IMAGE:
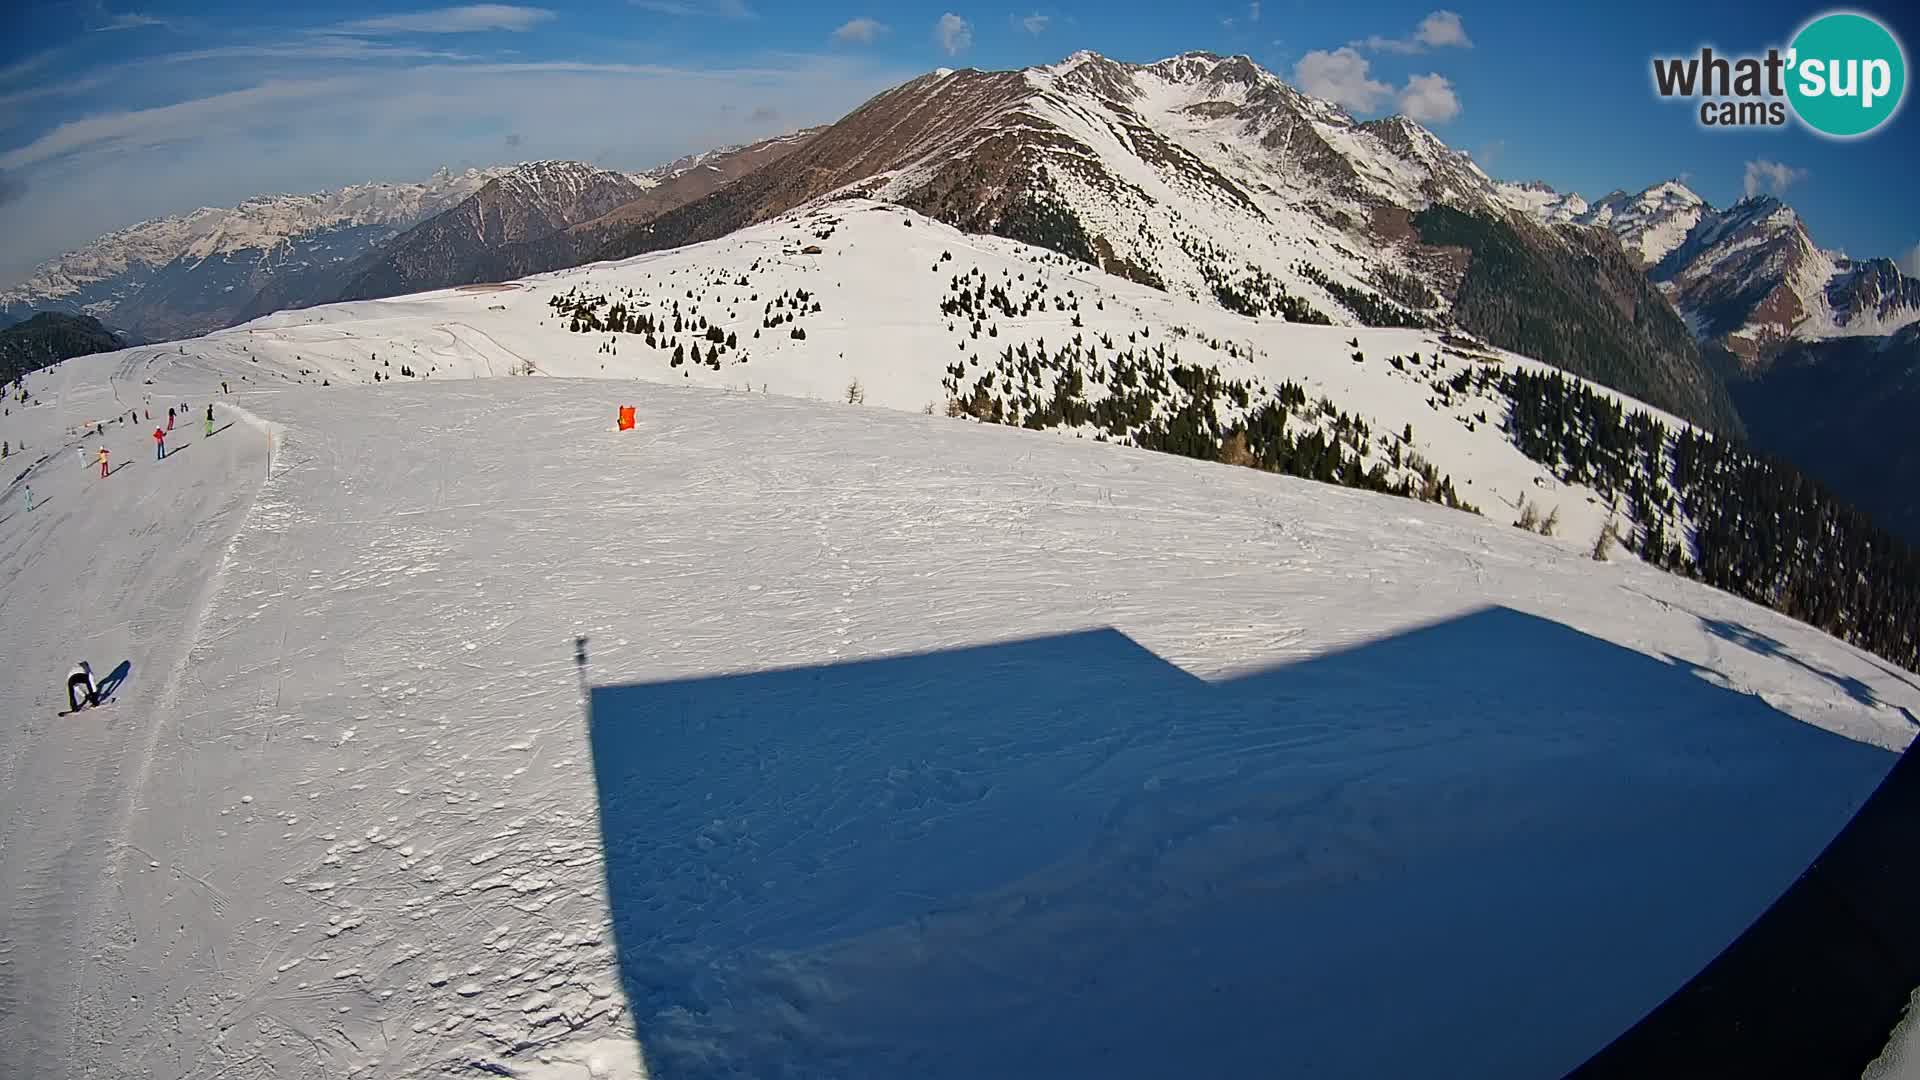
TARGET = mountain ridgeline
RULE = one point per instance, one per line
(193, 273)
(1242, 191)
(453, 248)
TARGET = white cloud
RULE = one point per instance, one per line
(1345, 78)
(470, 19)
(1429, 99)
(26, 67)
(1033, 24)
(152, 127)
(1910, 261)
(1253, 11)
(724, 9)
(128, 21)
(1770, 176)
(954, 34)
(63, 88)
(860, 31)
(1440, 30)
(1341, 77)
(1376, 43)
(315, 48)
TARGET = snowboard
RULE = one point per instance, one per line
(86, 708)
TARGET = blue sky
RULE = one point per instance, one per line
(112, 113)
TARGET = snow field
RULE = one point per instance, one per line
(368, 838)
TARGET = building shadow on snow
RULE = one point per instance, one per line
(1484, 847)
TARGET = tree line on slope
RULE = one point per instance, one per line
(1137, 390)
(48, 338)
(1717, 511)
(1572, 300)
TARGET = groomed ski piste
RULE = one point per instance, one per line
(458, 733)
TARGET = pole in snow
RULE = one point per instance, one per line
(580, 665)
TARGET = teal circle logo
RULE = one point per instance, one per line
(1847, 76)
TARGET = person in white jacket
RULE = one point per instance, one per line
(80, 689)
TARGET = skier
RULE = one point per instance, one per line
(159, 445)
(29, 498)
(169, 418)
(81, 691)
(103, 463)
(223, 387)
(209, 419)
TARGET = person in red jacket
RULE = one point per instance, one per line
(169, 418)
(159, 445)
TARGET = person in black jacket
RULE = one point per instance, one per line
(81, 692)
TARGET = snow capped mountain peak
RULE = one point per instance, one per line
(1649, 223)
(1673, 191)
(1083, 56)
(556, 181)
(1538, 200)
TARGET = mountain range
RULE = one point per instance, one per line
(189, 273)
(1200, 175)
(1749, 279)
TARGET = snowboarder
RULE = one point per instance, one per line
(81, 691)
(169, 418)
(209, 420)
(103, 463)
(159, 445)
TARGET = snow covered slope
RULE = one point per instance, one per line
(887, 283)
(1211, 178)
(356, 810)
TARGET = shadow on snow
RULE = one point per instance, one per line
(114, 680)
(1479, 848)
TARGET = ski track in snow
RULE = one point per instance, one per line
(149, 540)
(344, 818)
